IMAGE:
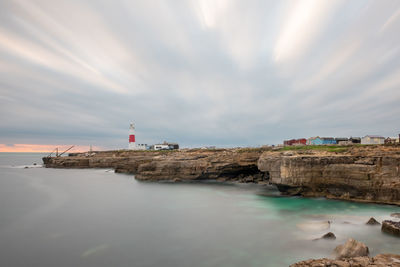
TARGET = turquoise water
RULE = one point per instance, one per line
(54, 217)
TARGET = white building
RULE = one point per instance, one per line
(161, 147)
(372, 140)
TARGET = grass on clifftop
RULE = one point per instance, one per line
(328, 148)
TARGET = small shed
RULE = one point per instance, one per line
(342, 140)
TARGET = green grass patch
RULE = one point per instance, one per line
(328, 148)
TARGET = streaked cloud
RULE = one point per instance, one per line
(199, 73)
(44, 148)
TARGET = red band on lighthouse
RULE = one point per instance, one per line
(131, 138)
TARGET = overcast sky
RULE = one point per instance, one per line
(197, 72)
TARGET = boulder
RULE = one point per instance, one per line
(328, 235)
(350, 249)
(372, 221)
(391, 227)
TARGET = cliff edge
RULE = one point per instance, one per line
(364, 173)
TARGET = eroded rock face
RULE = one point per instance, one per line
(381, 260)
(351, 249)
(221, 164)
(358, 175)
(391, 227)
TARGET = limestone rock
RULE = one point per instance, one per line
(391, 227)
(191, 164)
(328, 235)
(372, 221)
(381, 260)
(350, 249)
(363, 174)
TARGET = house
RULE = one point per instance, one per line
(372, 140)
(295, 142)
(392, 140)
(314, 141)
(321, 141)
(355, 140)
(328, 140)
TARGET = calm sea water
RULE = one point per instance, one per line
(94, 217)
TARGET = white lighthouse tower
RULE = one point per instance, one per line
(132, 144)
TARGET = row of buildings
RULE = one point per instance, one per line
(366, 140)
(133, 146)
(163, 146)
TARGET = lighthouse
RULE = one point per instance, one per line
(132, 144)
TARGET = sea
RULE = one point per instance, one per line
(95, 217)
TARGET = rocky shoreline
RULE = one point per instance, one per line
(356, 173)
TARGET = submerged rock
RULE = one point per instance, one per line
(372, 221)
(378, 260)
(391, 227)
(350, 249)
(396, 214)
(328, 235)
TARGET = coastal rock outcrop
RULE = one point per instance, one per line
(391, 227)
(357, 173)
(352, 248)
(191, 164)
(368, 174)
(381, 260)
(372, 221)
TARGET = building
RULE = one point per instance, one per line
(295, 142)
(392, 140)
(314, 141)
(342, 141)
(372, 140)
(166, 146)
(355, 140)
(321, 141)
(161, 147)
(173, 146)
(141, 147)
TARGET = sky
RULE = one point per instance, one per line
(197, 72)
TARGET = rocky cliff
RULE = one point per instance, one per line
(359, 173)
(193, 164)
(370, 174)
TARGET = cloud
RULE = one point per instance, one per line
(43, 148)
(223, 73)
